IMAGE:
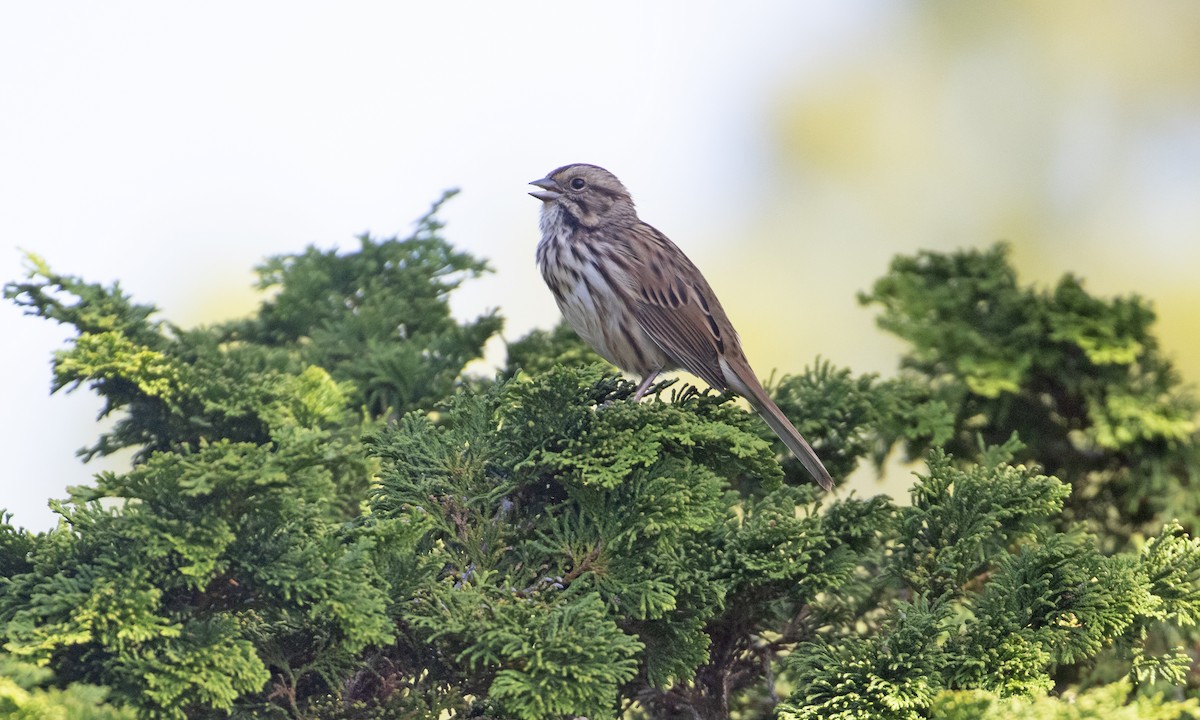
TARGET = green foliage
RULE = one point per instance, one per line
(1103, 703)
(327, 520)
(541, 350)
(26, 693)
(1170, 563)
(1081, 380)
(219, 573)
(855, 416)
(368, 329)
(996, 600)
(542, 501)
(544, 659)
(236, 574)
(15, 546)
(962, 517)
(890, 675)
(377, 317)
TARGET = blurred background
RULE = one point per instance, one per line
(790, 148)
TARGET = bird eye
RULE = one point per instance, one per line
(578, 183)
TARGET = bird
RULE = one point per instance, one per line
(638, 301)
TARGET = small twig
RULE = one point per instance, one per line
(561, 582)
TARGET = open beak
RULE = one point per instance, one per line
(550, 190)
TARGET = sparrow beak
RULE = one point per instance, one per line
(550, 192)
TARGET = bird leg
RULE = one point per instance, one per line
(646, 382)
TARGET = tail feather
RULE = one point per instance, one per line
(751, 389)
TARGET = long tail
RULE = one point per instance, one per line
(748, 386)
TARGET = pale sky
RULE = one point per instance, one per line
(173, 146)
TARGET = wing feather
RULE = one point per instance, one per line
(678, 311)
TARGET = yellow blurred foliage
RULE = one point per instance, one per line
(1069, 129)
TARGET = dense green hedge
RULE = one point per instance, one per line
(327, 519)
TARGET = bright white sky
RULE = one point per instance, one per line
(173, 146)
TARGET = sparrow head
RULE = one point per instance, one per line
(589, 194)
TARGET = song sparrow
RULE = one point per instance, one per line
(635, 297)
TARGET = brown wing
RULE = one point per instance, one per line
(677, 309)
